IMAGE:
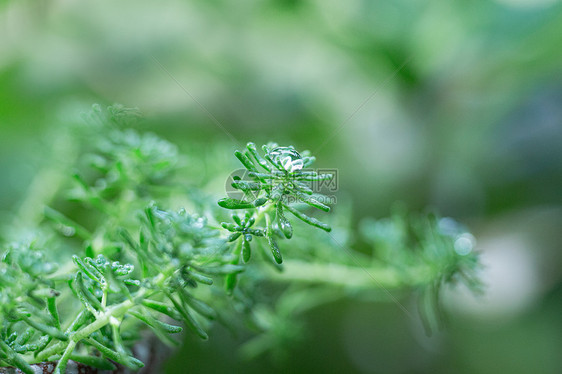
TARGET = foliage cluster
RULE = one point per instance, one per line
(116, 253)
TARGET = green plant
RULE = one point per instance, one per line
(270, 193)
(107, 259)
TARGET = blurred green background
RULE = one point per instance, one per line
(452, 105)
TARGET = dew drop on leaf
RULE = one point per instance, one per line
(288, 158)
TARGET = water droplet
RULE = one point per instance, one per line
(67, 230)
(288, 158)
(448, 226)
(464, 244)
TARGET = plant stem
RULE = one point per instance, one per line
(103, 319)
(349, 276)
(61, 366)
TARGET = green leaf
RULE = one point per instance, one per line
(254, 152)
(271, 161)
(93, 361)
(284, 223)
(129, 361)
(313, 202)
(162, 308)
(263, 175)
(303, 187)
(229, 203)
(155, 323)
(188, 319)
(230, 282)
(229, 226)
(308, 160)
(88, 270)
(313, 176)
(260, 201)
(199, 277)
(247, 186)
(24, 338)
(246, 250)
(49, 330)
(275, 249)
(310, 220)
(199, 306)
(86, 298)
(234, 236)
(58, 217)
(245, 161)
(52, 307)
(127, 237)
(236, 219)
